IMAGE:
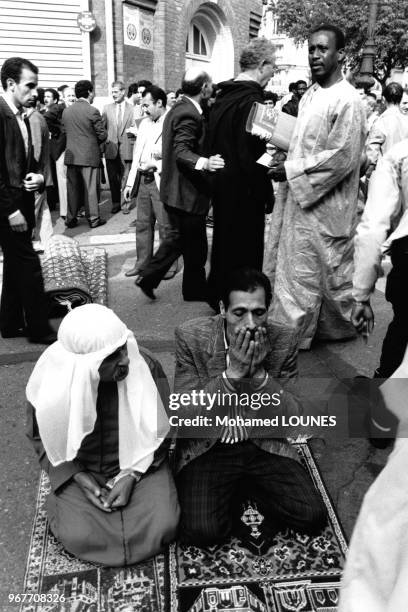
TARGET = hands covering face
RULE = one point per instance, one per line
(247, 352)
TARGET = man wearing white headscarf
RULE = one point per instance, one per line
(98, 423)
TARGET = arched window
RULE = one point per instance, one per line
(197, 42)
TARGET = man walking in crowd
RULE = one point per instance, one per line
(371, 106)
(184, 190)
(391, 127)
(242, 190)
(85, 133)
(385, 210)
(53, 114)
(58, 143)
(118, 117)
(227, 354)
(146, 166)
(23, 308)
(135, 92)
(171, 99)
(313, 282)
(292, 107)
(97, 421)
(41, 139)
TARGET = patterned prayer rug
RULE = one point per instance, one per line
(290, 572)
(55, 581)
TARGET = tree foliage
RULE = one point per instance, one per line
(297, 17)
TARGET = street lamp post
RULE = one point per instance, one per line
(365, 78)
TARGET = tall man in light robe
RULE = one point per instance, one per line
(313, 275)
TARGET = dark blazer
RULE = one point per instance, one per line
(200, 362)
(118, 142)
(181, 185)
(85, 133)
(14, 165)
(53, 117)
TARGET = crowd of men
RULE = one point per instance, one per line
(176, 154)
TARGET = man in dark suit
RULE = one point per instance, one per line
(85, 133)
(184, 190)
(231, 357)
(118, 117)
(23, 309)
(53, 117)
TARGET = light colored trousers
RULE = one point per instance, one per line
(62, 184)
(43, 222)
(150, 210)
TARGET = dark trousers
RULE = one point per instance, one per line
(118, 171)
(191, 243)
(238, 236)
(396, 338)
(83, 190)
(23, 302)
(208, 488)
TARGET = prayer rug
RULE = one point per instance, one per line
(74, 275)
(288, 572)
(56, 581)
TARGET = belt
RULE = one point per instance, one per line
(148, 178)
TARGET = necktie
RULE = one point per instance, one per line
(119, 120)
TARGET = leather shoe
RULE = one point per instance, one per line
(72, 223)
(14, 333)
(115, 209)
(97, 223)
(47, 339)
(148, 291)
(133, 271)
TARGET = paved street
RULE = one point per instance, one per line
(348, 465)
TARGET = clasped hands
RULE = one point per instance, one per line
(247, 353)
(101, 497)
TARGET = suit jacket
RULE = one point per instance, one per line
(200, 362)
(41, 144)
(85, 133)
(14, 165)
(118, 141)
(182, 186)
(53, 117)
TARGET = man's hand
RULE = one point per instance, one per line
(362, 317)
(92, 491)
(120, 494)
(33, 182)
(214, 163)
(260, 353)
(18, 223)
(241, 351)
(278, 172)
(127, 193)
